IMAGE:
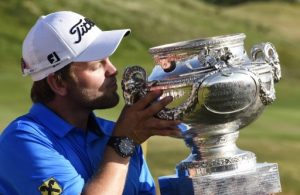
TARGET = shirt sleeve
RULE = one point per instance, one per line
(30, 164)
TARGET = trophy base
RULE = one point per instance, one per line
(264, 179)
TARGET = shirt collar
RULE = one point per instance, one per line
(59, 126)
(50, 119)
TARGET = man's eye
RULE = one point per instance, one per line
(95, 66)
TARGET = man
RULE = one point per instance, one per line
(60, 146)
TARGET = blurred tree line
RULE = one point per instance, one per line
(236, 2)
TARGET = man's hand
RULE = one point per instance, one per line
(138, 122)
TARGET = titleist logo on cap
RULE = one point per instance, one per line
(81, 28)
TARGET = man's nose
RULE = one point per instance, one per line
(110, 69)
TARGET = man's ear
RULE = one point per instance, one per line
(57, 85)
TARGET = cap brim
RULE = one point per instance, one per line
(103, 46)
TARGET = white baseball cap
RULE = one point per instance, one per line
(63, 37)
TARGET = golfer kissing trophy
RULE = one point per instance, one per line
(217, 90)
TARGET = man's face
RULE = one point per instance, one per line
(93, 84)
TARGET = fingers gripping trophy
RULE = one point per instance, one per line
(217, 89)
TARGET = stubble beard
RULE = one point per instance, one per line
(107, 101)
(104, 101)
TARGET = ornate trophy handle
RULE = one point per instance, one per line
(135, 86)
(266, 52)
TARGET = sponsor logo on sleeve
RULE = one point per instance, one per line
(50, 187)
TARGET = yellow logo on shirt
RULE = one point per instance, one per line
(50, 187)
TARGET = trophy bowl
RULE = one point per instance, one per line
(217, 90)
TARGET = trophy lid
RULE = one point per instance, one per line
(198, 43)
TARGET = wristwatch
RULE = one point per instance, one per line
(124, 146)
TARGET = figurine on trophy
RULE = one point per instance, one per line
(217, 90)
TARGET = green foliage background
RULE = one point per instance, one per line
(274, 137)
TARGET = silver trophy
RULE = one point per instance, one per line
(217, 89)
